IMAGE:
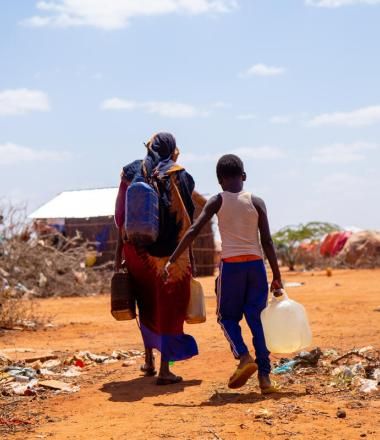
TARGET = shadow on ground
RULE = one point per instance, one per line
(226, 398)
(140, 387)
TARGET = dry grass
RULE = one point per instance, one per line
(20, 313)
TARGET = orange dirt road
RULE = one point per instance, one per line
(115, 402)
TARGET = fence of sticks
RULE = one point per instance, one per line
(204, 245)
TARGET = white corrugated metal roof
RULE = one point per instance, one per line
(79, 204)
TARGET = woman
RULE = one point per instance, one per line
(162, 306)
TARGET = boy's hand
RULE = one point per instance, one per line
(276, 285)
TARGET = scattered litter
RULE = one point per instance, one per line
(344, 375)
(128, 363)
(20, 373)
(97, 358)
(42, 280)
(286, 367)
(293, 284)
(330, 353)
(303, 359)
(20, 389)
(365, 349)
(79, 363)
(376, 375)
(45, 372)
(263, 413)
(366, 385)
(59, 386)
(72, 372)
(34, 372)
(52, 363)
(362, 353)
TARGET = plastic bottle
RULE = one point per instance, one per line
(285, 324)
(142, 214)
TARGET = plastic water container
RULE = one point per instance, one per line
(142, 214)
(286, 327)
(196, 310)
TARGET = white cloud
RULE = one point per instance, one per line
(342, 153)
(356, 118)
(264, 152)
(259, 153)
(119, 104)
(280, 119)
(162, 108)
(345, 185)
(262, 70)
(246, 117)
(339, 3)
(13, 153)
(21, 101)
(116, 14)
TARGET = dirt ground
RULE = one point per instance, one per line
(115, 402)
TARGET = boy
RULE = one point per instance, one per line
(242, 287)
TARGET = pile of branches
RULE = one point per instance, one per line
(35, 265)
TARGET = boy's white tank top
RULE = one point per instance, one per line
(238, 225)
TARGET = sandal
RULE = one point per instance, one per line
(241, 375)
(148, 371)
(168, 381)
(272, 389)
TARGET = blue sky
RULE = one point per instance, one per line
(292, 86)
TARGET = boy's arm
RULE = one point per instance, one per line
(267, 242)
(212, 207)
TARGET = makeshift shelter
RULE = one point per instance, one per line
(90, 212)
(334, 243)
(362, 249)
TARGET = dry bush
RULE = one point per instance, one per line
(19, 313)
(35, 265)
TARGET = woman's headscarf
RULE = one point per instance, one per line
(164, 144)
(160, 150)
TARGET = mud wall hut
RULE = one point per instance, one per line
(90, 213)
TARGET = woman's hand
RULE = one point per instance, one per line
(116, 266)
(165, 272)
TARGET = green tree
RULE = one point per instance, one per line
(288, 239)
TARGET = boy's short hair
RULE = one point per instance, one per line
(229, 165)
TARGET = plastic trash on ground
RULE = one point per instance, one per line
(287, 367)
(365, 385)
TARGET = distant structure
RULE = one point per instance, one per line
(90, 213)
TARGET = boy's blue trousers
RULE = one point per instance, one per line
(242, 289)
